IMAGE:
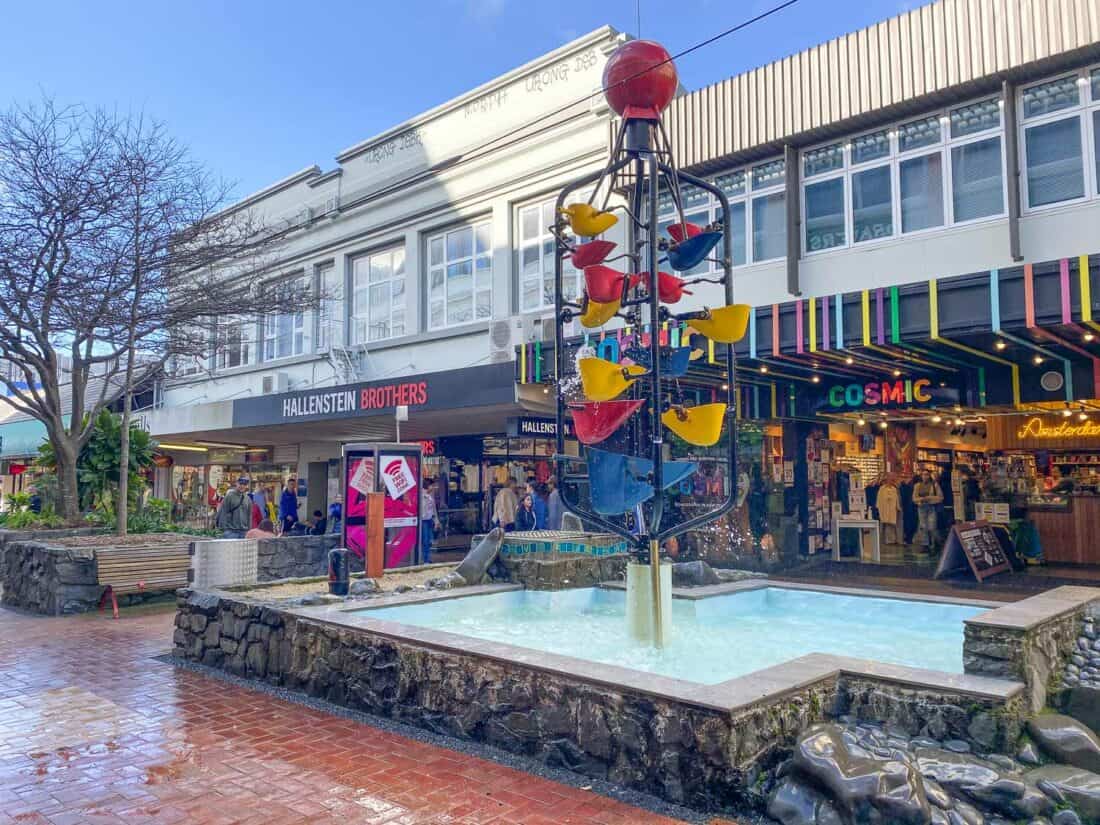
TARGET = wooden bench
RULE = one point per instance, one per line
(141, 569)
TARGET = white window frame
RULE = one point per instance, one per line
(332, 313)
(666, 211)
(474, 257)
(361, 314)
(546, 262)
(823, 177)
(247, 328)
(185, 366)
(300, 325)
(1083, 110)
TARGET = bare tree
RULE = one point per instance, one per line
(117, 255)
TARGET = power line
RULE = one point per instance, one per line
(492, 142)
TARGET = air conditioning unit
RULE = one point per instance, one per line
(501, 343)
(275, 382)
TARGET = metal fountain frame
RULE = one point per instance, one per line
(643, 152)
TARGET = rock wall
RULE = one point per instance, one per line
(46, 579)
(684, 753)
(298, 557)
(560, 572)
(1035, 655)
(918, 712)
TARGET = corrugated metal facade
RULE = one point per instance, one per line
(950, 44)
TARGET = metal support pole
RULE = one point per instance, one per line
(657, 433)
(655, 581)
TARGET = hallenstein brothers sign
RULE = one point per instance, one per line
(470, 387)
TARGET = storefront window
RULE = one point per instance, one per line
(378, 295)
(460, 272)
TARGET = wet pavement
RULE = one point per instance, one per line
(95, 729)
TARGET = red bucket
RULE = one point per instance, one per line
(594, 421)
(591, 253)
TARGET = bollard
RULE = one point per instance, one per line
(338, 571)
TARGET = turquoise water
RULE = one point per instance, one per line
(713, 639)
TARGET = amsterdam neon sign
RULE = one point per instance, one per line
(1035, 428)
(881, 394)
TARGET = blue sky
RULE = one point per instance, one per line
(260, 89)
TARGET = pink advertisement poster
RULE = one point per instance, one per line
(397, 474)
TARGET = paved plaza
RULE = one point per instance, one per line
(95, 729)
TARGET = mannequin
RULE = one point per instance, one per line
(889, 509)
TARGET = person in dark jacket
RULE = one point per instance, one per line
(317, 528)
(538, 493)
(234, 517)
(288, 505)
(525, 515)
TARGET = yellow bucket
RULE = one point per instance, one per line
(588, 221)
(701, 426)
(724, 325)
(603, 381)
(596, 314)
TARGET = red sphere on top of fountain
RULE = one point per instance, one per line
(640, 79)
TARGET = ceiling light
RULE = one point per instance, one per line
(1038, 359)
(862, 422)
(897, 373)
(849, 360)
(882, 425)
(1090, 336)
(816, 379)
(1067, 412)
(958, 422)
(1000, 345)
(184, 447)
(725, 386)
(764, 368)
(1083, 415)
(958, 408)
(936, 419)
(221, 444)
(545, 390)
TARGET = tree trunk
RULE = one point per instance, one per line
(68, 495)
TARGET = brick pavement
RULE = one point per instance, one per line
(94, 730)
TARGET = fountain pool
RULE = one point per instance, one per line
(713, 639)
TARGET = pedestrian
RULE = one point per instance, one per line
(927, 496)
(288, 505)
(428, 520)
(554, 507)
(265, 530)
(525, 516)
(504, 508)
(537, 492)
(257, 513)
(234, 517)
(335, 518)
(317, 528)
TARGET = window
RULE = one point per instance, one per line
(460, 274)
(1095, 83)
(1056, 139)
(824, 199)
(1054, 167)
(234, 346)
(919, 133)
(976, 180)
(1096, 145)
(975, 117)
(697, 210)
(189, 347)
(378, 295)
(287, 333)
(536, 260)
(702, 209)
(872, 206)
(769, 212)
(330, 328)
(920, 180)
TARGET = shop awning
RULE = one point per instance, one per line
(1005, 340)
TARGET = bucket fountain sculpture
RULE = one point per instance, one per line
(639, 399)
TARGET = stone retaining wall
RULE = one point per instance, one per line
(537, 571)
(1029, 641)
(298, 557)
(45, 579)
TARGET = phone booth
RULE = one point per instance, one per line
(395, 471)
